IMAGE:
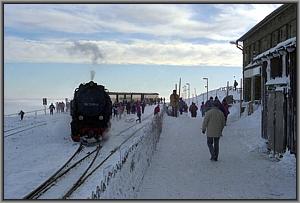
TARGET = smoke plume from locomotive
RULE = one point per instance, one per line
(93, 73)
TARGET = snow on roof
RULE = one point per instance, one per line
(284, 44)
(278, 80)
(251, 64)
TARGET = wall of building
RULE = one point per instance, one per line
(278, 29)
(279, 100)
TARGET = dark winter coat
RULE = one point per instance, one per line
(193, 109)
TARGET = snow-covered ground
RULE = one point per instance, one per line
(179, 169)
(33, 155)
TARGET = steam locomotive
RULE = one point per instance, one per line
(91, 110)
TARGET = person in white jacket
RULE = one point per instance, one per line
(213, 124)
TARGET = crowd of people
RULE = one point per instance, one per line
(178, 104)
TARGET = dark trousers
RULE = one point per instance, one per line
(213, 146)
(139, 117)
(174, 111)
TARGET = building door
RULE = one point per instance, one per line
(275, 121)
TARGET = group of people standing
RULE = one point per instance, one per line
(60, 107)
(132, 107)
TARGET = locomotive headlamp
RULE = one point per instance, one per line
(100, 118)
(80, 118)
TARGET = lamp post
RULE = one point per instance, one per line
(242, 80)
(188, 90)
(206, 87)
(196, 96)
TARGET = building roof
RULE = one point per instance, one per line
(133, 93)
(264, 21)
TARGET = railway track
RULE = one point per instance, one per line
(100, 163)
(19, 129)
(75, 160)
(75, 167)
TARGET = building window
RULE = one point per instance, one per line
(276, 67)
(247, 89)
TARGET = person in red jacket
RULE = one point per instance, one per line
(156, 109)
(226, 109)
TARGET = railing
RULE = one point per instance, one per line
(33, 112)
(127, 174)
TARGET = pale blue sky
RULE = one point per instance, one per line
(49, 49)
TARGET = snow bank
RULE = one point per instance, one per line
(121, 179)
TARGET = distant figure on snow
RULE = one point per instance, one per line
(21, 114)
(226, 109)
(181, 105)
(138, 111)
(51, 107)
(193, 109)
(213, 125)
(156, 109)
(174, 102)
(235, 84)
(202, 109)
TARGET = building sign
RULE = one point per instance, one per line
(44, 101)
(252, 72)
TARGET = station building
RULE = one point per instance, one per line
(270, 75)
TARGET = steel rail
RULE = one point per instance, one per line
(44, 184)
(83, 179)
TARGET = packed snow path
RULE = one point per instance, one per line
(181, 168)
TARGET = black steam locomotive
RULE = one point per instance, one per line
(91, 110)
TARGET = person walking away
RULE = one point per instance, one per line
(202, 108)
(115, 110)
(209, 103)
(51, 107)
(219, 105)
(128, 107)
(193, 109)
(143, 106)
(138, 112)
(133, 107)
(235, 84)
(62, 107)
(120, 110)
(213, 125)
(67, 106)
(56, 106)
(156, 109)
(181, 105)
(174, 101)
(226, 109)
(21, 114)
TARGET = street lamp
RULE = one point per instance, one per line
(237, 45)
(189, 90)
(241, 92)
(184, 92)
(206, 87)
